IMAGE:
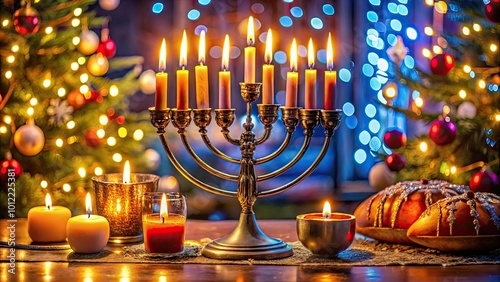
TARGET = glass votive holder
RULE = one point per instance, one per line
(164, 222)
(121, 203)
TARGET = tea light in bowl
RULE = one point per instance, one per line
(326, 233)
(47, 224)
(87, 233)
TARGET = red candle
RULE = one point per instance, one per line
(330, 77)
(310, 80)
(268, 72)
(292, 78)
(164, 236)
(162, 79)
(164, 232)
(183, 77)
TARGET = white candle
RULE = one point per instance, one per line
(201, 73)
(87, 233)
(249, 76)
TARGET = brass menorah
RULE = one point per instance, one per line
(247, 240)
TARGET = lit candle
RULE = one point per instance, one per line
(250, 54)
(330, 77)
(326, 233)
(183, 77)
(48, 223)
(225, 78)
(164, 232)
(201, 73)
(268, 71)
(87, 233)
(292, 78)
(310, 85)
(126, 172)
(162, 79)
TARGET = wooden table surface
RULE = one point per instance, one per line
(198, 229)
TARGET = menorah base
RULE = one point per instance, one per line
(247, 241)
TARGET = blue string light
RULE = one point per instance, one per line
(157, 8)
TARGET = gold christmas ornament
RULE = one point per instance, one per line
(98, 65)
(89, 41)
(29, 139)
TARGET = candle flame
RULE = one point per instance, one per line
(310, 53)
(225, 53)
(183, 56)
(126, 172)
(268, 55)
(88, 204)
(329, 53)
(162, 66)
(163, 208)
(48, 201)
(201, 48)
(293, 56)
(327, 211)
(250, 32)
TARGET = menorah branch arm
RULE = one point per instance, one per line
(301, 177)
(203, 164)
(330, 120)
(224, 119)
(278, 151)
(191, 178)
(202, 119)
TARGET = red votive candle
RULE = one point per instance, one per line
(164, 222)
(164, 237)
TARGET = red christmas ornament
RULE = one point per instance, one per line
(9, 169)
(120, 120)
(92, 95)
(492, 11)
(91, 139)
(394, 139)
(76, 99)
(395, 162)
(442, 131)
(107, 48)
(26, 20)
(441, 64)
(485, 181)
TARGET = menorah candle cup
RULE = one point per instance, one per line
(326, 236)
(164, 221)
(121, 203)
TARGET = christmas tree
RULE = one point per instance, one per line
(63, 119)
(460, 141)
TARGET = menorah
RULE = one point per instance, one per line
(247, 240)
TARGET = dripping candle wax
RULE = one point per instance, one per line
(330, 77)
(310, 79)
(183, 77)
(162, 79)
(249, 76)
(292, 78)
(268, 71)
(201, 73)
(225, 78)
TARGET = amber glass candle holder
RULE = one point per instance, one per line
(164, 222)
(121, 203)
